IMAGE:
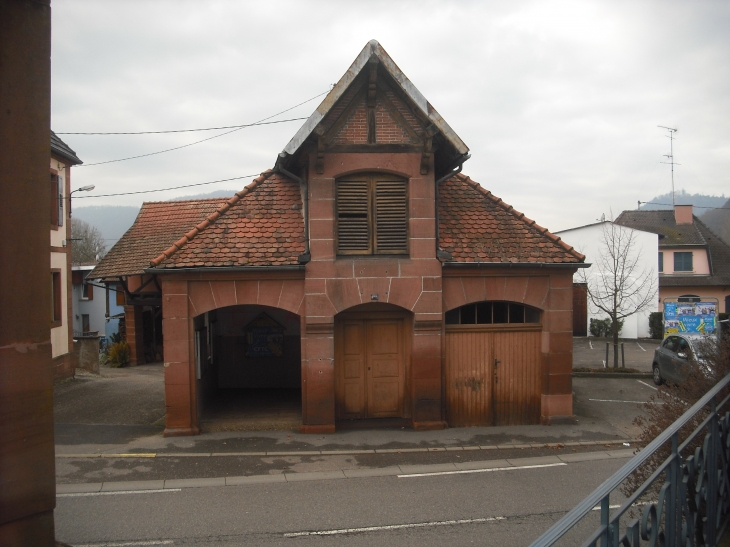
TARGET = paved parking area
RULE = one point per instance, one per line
(591, 352)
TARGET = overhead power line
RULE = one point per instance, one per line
(259, 122)
(164, 189)
(184, 130)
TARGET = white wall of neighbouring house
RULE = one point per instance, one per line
(588, 240)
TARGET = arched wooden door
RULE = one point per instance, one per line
(370, 363)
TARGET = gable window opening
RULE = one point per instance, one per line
(372, 215)
(492, 313)
(87, 291)
(683, 262)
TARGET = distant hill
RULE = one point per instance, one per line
(683, 198)
(111, 220)
(114, 220)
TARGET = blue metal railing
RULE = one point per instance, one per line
(693, 503)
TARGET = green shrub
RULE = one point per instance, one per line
(601, 328)
(656, 325)
(118, 355)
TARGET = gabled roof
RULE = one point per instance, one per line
(62, 149)
(158, 225)
(673, 235)
(477, 226)
(662, 222)
(262, 225)
(374, 51)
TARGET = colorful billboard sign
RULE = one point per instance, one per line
(690, 318)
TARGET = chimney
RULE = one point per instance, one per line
(683, 214)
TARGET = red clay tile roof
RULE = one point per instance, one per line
(157, 226)
(262, 225)
(477, 226)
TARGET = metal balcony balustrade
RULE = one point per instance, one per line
(693, 504)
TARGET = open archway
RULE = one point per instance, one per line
(248, 368)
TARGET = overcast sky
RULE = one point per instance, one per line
(559, 102)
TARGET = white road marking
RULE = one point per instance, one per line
(642, 349)
(647, 385)
(128, 543)
(84, 494)
(391, 527)
(617, 401)
(469, 471)
(598, 507)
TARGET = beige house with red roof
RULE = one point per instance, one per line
(362, 274)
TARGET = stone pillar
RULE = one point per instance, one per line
(135, 334)
(557, 398)
(179, 350)
(27, 470)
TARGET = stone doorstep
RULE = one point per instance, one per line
(161, 484)
(345, 452)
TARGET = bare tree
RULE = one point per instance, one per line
(87, 246)
(617, 284)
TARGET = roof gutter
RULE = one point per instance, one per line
(517, 265)
(279, 168)
(454, 170)
(214, 269)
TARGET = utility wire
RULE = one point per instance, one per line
(164, 189)
(259, 122)
(184, 130)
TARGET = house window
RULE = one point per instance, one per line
(683, 262)
(492, 313)
(372, 215)
(661, 262)
(56, 201)
(56, 301)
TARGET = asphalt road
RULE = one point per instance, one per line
(488, 508)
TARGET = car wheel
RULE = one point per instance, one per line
(658, 380)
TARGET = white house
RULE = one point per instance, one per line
(590, 240)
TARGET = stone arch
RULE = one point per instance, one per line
(287, 294)
(530, 290)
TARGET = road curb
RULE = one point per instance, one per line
(141, 487)
(279, 453)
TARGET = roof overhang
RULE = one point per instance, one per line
(495, 265)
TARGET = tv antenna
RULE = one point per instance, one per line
(670, 156)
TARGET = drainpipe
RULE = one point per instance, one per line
(459, 163)
(279, 168)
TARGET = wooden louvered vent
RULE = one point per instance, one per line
(372, 215)
(391, 219)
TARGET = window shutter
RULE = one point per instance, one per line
(391, 216)
(60, 201)
(353, 222)
(54, 200)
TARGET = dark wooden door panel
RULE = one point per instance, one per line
(469, 375)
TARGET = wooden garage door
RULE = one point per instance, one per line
(492, 377)
(370, 368)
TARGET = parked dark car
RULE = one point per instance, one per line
(674, 356)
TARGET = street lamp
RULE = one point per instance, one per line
(86, 188)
